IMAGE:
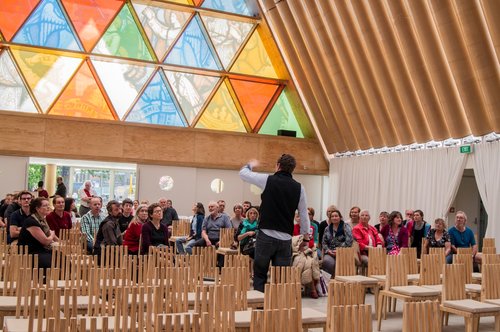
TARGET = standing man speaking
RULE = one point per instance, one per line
(281, 196)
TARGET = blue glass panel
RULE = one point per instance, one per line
(47, 26)
(192, 49)
(156, 105)
(242, 7)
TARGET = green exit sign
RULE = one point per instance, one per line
(466, 149)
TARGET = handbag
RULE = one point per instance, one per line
(249, 247)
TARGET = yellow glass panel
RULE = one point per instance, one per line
(254, 59)
(221, 113)
(82, 98)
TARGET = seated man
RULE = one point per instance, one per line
(462, 236)
(109, 233)
(90, 222)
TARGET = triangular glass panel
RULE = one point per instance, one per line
(13, 94)
(122, 82)
(281, 117)
(184, 2)
(254, 98)
(13, 13)
(221, 113)
(162, 25)
(123, 38)
(46, 74)
(191, 91)
(48, 27)
(83, 98)
(91, 17)
(156, 105)
(254, 59)
(242, 7)
(227, 36)
(192, 48)
(197, 2)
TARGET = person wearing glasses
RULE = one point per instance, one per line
(154, 232)
(462, 236)
(17, 218)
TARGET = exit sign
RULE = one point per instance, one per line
(466, 149)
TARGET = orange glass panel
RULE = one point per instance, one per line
(91, 17)
(254, 98)
(197, 2)
(12, 15)
(82, 98)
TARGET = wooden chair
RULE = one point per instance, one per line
(350, 318)
(421, 316)
(473, 290)
(218, 301)
(491, 259)
(396, 286)
(376, 265)
(431, 267)
(180, 229)
(284, 274)
(185, 322)
(490, 286)
(343, 293)
(410, 255)
(489, 251)
(226, 239)
(453, 299)
(488, 242)
(274, 320)
(240, 279)
(437, 251)
(208, 261)
(465, 251)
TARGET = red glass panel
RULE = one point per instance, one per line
(13, 13)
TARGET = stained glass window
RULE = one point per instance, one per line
(82, 98)
(221, 113)
(254, 59)
(162, 26)
(123, 38)
(122, 82)
(192, 48)
(227, 36)
(156, 105)
(47, 26)
(281, 117)
(242, 7)
(13, 13)
(13, 93)
(91, 17)
(46, 74)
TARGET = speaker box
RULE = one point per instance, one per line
(289, 133)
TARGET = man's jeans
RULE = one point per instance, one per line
(269, 249)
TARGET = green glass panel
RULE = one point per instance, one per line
(281, 117)
(221, 113)
(227, 36)
(162, 25)
(123, 38)
(13, 94)
(122, 82)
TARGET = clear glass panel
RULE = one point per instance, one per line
(254, 98)
(217, 186)
(13, 94)
(13, 13)
(46, 74)
(122, 82)
(123, 38)
(281, 117)
(192, 48)
(91, 17)
(47, 26)
(156, 105)
(221, 113)
(191, 91)
(100, 183)
(166, 183)
(254, 60)
(162, 25)
(242, 7)
(124, 184)
(82, 98)
(227, 36)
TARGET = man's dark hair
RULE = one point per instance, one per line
(127, 201)
(40, 184)
(287, 163)
(109, 206)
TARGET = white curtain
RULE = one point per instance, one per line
(487, 171)
(424, 179)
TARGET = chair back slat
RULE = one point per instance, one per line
(431, 267)
(411, 259)
(345, 263)
(466, 260)
(488, 242)
(421, 316)
(453, 282)
(350, 318)
(284, 274)
(377, 263)
(490, 282)
(396, 271)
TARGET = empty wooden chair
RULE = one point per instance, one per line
(410, 255)
(284, 274)
(490, 286)
(274, 320)
(421, 316)
(431, 267)
(472, 289)
(488, 242)
(226, 239)
(350, 318)
(345, 293)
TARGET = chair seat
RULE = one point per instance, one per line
(357, 278)
(309, 317)
(242, 318)
(415, 291)
(473, 288)
(254, 296)
(99, 323)
(13, 324)
(227, 251)
(493, 301)
(471, 306)
(434, 287)
(477, 276)
(413, 277)
(379, 277)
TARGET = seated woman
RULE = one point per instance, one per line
(59, 219)
(247, 230)
(337, 234)
(195, 232)
(70, 207)
(36, 234)
(395, 236)
(438, 237)
(366, 236)
(153, 232)
(133, 234)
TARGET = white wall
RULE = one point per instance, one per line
(13, 173)
(467, 200)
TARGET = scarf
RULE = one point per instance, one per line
(340, 229)
(249, 226)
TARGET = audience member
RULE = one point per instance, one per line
(12, 207)
(222, 205)
(210, 230)
(85, 194)
(17, 218)
(337, 234)
(354, 216)
(59, 219)
(70, 207)
(395, 236)
(314, 224)
(41, 190)
(3, 206)
(132, 236)
(91, 221)
(366, 235)
(438, 237)
(61, 188)
(324, 224)
(169, 213)
(420, 228)
(126, 217)
(246, 206)
(462, 236)
(247, 230)
(383, 219)
(238, 216)
(154, 233)
(409, 220)
(109, 233)
(296, 230)
(136, 205)
(195, 232)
